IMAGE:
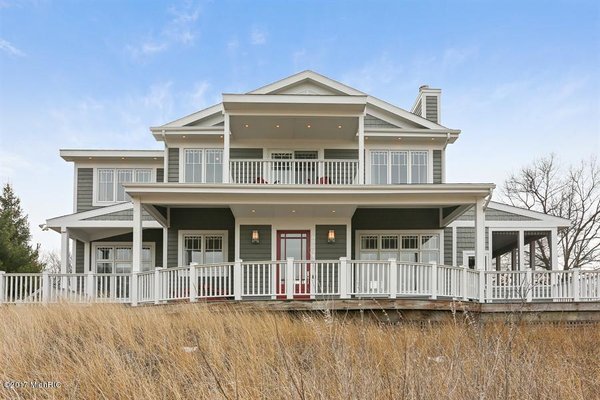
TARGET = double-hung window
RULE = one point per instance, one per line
(203, 165)
(110, 182)
(399, 166)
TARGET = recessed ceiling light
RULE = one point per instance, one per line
(89, 158)
(155, 158)
(183, 136)
(339, 127)
(293, 211)
(399, 138)
(308, 126)
(432, 138)
(253, 211)
(246, 125)
(332, 211)
(122, 158)
(276, 126)
(366, 138)
(221, 137)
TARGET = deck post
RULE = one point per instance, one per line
(133, 286)
(393, 278)
(193, 283)
(237, 280)
(529, 285)
(64, 255)
(481, 273)
(89, 285)
(289, 278)
(343, 277)
(576, 286)
(434, 280)
(2, 285)
(46, 287)
(464, 281)
(157, 285)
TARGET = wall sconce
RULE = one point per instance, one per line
(255, 237)
(331, 236)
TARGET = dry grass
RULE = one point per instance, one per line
(114, 352)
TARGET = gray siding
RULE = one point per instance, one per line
(217, 219)
(374, 122)
(79, 257)
(494, 215)
(259, 251)
(448, 246)
(125, 215)
(173, 163)
(330, 251)
(85, 178)
(437, 166)
(160, 175)
(431, 108)
(341, 154)
(242, 153)
(465, 241)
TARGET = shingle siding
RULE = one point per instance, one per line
(374, 122)
(85, 185)
(173, 163)
(437, 166)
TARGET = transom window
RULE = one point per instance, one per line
(110, 182)
(396, 167)
(119, 259)
(202, 249)
(203, 165)
(423, 248)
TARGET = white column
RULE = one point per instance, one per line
(165, 259)
(554, 248)
(64, 250)
(361, 149)
(193, 283)
(521, 250)
(393, 278)
(137, 235)
(289, 278)
(479, 235)
(237, 280)
(343, 277)
(434, 280)
(226, 140)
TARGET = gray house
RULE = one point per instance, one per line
(305, 171)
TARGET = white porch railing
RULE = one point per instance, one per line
(294, 172)
(303, 279)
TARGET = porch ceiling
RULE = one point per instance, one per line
(306, 128)
(292, 211)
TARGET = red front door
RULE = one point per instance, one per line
(295, 244)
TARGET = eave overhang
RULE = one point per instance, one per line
(294, 104)
(111, 155)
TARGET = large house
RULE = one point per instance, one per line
(303, 169)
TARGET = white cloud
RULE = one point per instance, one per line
(258, 36)
(7, 47)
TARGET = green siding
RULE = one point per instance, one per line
(79, 257)
(448, 246)
(242, 153)
(341, 154)
(330, 251)
(431, 108)
(217, 219)
(173, 162)
(85, 182)
(255, 252)
(437, 166)
(160, 175)
(125, 215)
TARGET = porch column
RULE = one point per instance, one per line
(137, 235)
(226, 140)
(521, 250)
(361, 150)
(64, 250)
(479, 235)
(165, 259)
(554, 249)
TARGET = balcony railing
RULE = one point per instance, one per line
(303, 279)
(294, 172)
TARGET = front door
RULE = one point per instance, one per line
(295, 244)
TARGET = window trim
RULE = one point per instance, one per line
(95, 246)
(182, 164)
(96, 182)
(203, 233)
(368, 164)
(387, 232)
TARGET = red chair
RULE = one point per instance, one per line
(324, 180)
(260, 180)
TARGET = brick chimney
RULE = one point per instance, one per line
(427, 104)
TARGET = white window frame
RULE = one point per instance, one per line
(95, 246)
(96, 182)
(203, 150)
(203, 233)
(409, 164)
(412, 232)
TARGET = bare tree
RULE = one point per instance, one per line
(572, 193)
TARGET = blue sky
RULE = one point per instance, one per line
(521, 79)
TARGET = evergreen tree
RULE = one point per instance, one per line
(16, 254)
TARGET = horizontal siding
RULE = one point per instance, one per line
(242, 153)
(160, 175)
(431, 108)
(79, 257)
(85, 184)
(259, 251)
(173, 164)
(465, 241)
(341, 154)
(448, 246)
(374, 122)
(330, 251)
(125, 215)
(437, 166)
(494, 215)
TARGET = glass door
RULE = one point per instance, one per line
(295, 244)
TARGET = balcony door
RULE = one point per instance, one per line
(295, 244)
(293, 167)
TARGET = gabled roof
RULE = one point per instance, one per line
(306, 82)
(536, 215)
